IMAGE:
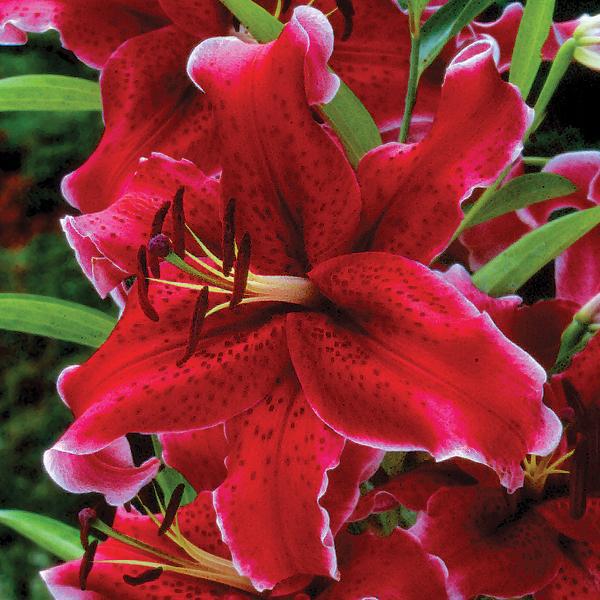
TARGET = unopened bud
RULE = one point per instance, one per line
(587, 37)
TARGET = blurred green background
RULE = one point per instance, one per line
(36, 150)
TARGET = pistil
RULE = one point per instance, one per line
(537, 470)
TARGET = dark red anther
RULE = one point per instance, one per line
(156, 230)
(85, 516)
(347, 10)
(198, 315)
(285, 6)
(178, 223)
(171, 509)
(87, 562)
(229, 237)
(127, 507)
(142, 285)
(579, 473)
(144, 577)
(235, 23)
(242, 266)
(159, 246)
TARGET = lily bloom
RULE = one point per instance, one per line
(149, 105)
(189, 559)
(333, 335)
(545, 540)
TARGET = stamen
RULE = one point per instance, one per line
(145, 577)
(178, 215)
(171, 509)
(347, 10)
(198, 315)
(159, 246)
(242, 266)
(578, 479)
(155, 230)
(87, 562)
(229, 237)
(285, 6)
(85, 516)
(142, 287)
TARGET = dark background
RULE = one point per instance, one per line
(36, 150)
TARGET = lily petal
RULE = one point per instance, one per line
(268, 507)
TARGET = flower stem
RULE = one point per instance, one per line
(411, 91)
(560, 64)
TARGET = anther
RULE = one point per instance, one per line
(285, 6)
(578, 480)
(198, 315)
(229, 237)
(87, 562)
(142, 287)
(178, 223)
(85, 516)
(156, 230)
(145, 577)
(171, 509)
(242, 266)
(159, 246)
(347, 10)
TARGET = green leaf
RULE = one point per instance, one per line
(345, 113)
(49, 92)
(168, 479)
(51, 535)
(445, 24)
(518, 193)
(508, 271)
(527, 54)
(51, 317)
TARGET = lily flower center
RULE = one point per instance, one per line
(229, 275)
(537, 469)
(190, 560)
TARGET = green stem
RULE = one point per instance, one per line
(535, 161)
(560, 64)
(411, 91)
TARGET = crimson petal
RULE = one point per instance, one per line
(418, 367)
(92, 29)
(268, 506)
(149, 106)
(296, 194)
(412, 194)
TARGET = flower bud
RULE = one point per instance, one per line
(587, 37)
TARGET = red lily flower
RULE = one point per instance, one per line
(558, 537)
(363, 346)
(543, 540)
(192, 559)
(150, 105)
(577, 274)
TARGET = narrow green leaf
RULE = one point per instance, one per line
(345, 113)
(518, 193)
(51, 317)
(508, 271)
(445, 24)
(49, 92)
(51, 535)
(527, 54)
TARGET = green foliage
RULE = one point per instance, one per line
(533, 31)
(52, 317)
(51, 535)
(518, 193)
(445, 24)
(49, 93)
(511, 269)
